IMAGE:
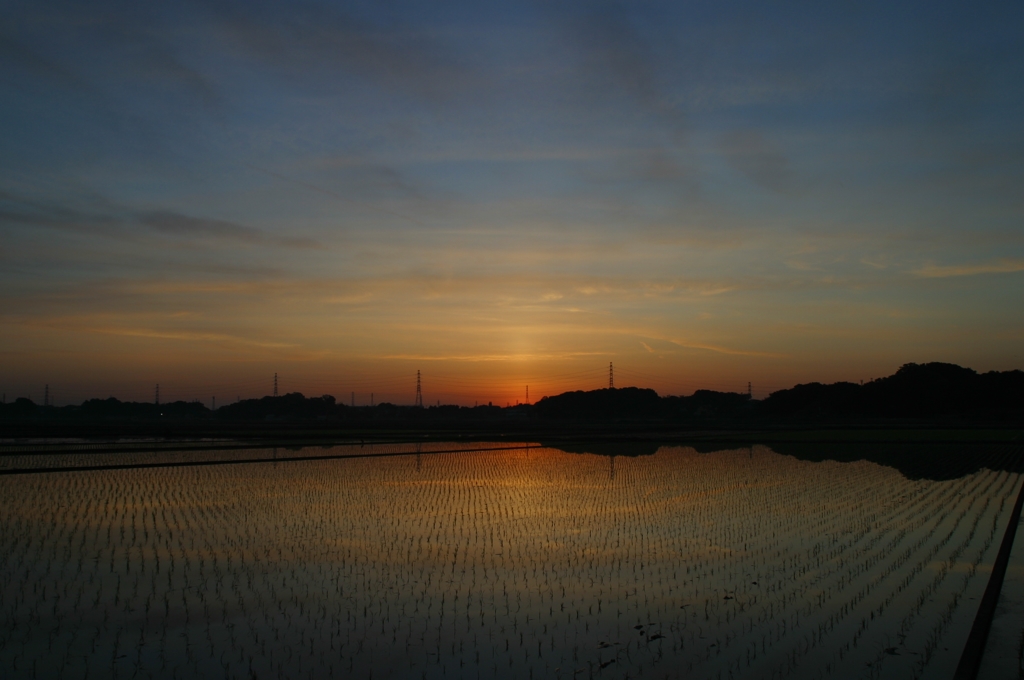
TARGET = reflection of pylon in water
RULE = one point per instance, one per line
(611, 376)
(419, 391)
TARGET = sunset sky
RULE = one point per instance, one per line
(201, 194)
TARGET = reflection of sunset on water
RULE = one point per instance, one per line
(504, 563)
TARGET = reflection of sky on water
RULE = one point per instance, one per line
(502, 563)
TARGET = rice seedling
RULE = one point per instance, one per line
(517, 564)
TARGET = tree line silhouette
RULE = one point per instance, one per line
(932, 391)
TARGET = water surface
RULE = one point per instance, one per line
(510, 564)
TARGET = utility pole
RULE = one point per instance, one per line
(419, 391)
(611, 376)
(275, 384)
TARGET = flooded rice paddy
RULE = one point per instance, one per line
(511, 563)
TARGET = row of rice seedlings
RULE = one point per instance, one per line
(737, 564)
(163, 456)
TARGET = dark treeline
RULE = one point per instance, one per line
(292, 407)
(634, 403)
(933, 392)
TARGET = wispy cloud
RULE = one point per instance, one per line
(95, 215)
(16, 56)
(615, 50)
(178, 224)
(724, 350)
(492, 357)
(99, 216)
(107, 325)
(186, 336)
(311, 39)
(1001, 266)
(758, 158)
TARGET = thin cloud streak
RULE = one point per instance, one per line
(726, 350)
(188, 336)
(177, 224)
(1002, 266)
(473, 358)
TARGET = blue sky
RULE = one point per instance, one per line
(201, 194)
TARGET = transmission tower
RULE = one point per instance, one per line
(156, 398)
(419, 391)
(611, 376)
(275, 384)
(527, 394)
(46, 396)
(750, 391)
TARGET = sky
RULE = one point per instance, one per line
(704, 194)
